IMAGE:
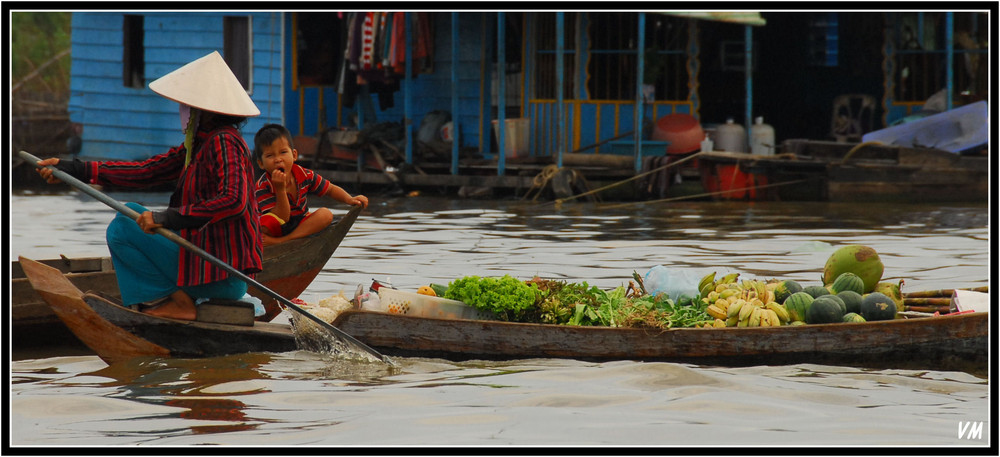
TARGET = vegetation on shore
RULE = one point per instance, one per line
(40, 58)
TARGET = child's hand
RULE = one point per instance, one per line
(278, 180)
(359, 200)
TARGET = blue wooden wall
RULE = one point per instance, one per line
(135, 123)
(430, 91)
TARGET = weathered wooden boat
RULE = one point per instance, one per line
(941, 342)
(828, 171)
(288, 269)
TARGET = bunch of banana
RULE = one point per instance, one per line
(709, 289)
(747, 303)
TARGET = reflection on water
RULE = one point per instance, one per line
(312, 399)
(300, 398)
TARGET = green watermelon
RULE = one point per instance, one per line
(824, 310)
(877, 306)
(892, 291)
(840, 301)
(816, 291)
(785, 289)
(797, 305)
(848, 281)
(852, 300)
(853, 317)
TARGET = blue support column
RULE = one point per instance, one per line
(949, 30)
(560, 82)
(748, 63)
(529, 68)
(501, 95)
(639, 108)
(454, 93)
(407, 89)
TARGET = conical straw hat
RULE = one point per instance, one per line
(208, 84)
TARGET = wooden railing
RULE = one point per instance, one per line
(588, 122)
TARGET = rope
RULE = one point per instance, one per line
(855, 149)
(541, 180)
(707, 194)
(560, 201)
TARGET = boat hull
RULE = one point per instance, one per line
(195, 339)
(944, 342)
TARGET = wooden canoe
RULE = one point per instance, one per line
(288, 269)
(941, 343)
(809, 170)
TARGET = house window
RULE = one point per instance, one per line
(237, 48)
(824, 40)
(319, 48)
(133, 58)
(545, 55)
(612, 55)
(921, 55)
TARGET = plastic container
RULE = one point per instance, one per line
(413, 304)
(761, 138)
(448, 131)
(516, 141)
(731, 137)
(683, 131)
(707, 145)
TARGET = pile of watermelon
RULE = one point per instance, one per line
(851, 291)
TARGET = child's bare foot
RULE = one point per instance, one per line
(269, 240)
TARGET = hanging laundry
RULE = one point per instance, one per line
(367, 41)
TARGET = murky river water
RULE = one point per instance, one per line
(308, 399)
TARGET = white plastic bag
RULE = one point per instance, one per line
(675, 283)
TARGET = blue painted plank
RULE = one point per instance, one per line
(95, 68)
(187, 21)
(106, 53)
(96, 36)
(171, 39)
(96, 21)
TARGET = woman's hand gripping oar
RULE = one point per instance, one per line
(120, 207)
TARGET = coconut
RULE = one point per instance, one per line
(863, 261)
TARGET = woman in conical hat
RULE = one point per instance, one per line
(213, 205)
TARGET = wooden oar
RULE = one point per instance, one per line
(68, 179)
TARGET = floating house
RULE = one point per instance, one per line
(567, 82)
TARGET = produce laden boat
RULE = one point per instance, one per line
(288, 269)
(943, 342)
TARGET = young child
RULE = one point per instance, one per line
(282, 189)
